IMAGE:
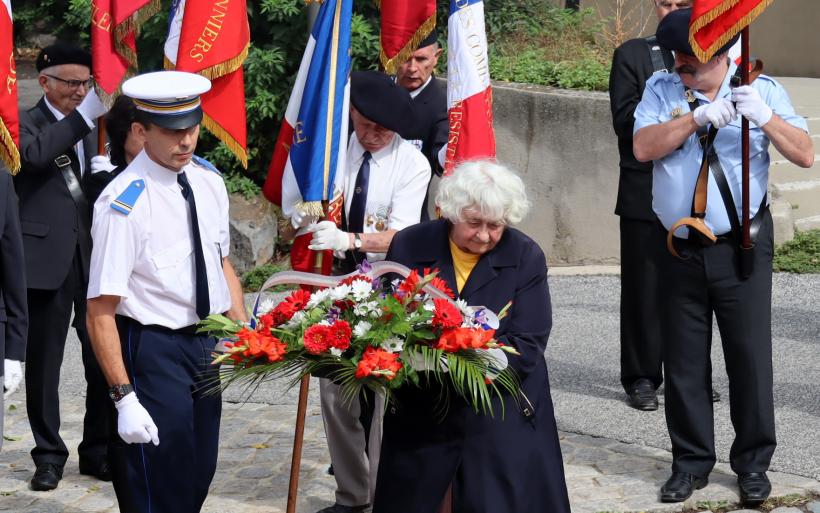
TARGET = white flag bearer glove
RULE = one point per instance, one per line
(720, 113)
(12, 376)
(300, 219)
(326, 235)
(101, 163)
(751, 106)
(134, 424)
(91, 107)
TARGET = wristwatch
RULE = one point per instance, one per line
(357, 241)
(117, 392)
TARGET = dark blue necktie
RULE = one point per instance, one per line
(203, 302)
(355, 218)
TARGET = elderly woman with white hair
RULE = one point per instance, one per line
(509, 464)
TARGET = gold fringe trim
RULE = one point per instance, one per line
(170, 66)
(133, 24)
(308, 2)
(226, 67)
(10, 154)
(378, 4)
(704, 55)
(311, 208)
(223, 135)
(391, 64)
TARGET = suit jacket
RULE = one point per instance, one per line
(50, 218)
(631, 68)
(496, 464)
(13, 306)
(430, 107)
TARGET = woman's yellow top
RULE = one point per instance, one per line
(463, 264)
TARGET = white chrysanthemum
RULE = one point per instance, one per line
(335, 351)
(366, 308)
(296, 320)
(393, 345)
(362, 328)
(318, 298)
(265, 306)
(340, 292)
(429, 306)
(361, 289)
(463, 306)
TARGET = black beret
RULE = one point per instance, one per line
(62, 53)
(673, 33)
(378, 98)
(430, 39)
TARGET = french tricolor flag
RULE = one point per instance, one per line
(469, 95)
(311, 149)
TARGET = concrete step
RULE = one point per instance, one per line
(804, 197)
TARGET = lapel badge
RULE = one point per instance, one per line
(368, 220)
(677, 112)
(690, 96)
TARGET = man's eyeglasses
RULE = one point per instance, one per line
(74, 84)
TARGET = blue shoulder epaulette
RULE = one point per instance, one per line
(125, 201)
(204, 163)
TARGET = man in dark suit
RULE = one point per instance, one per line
(632, 64)
(13, 310)
(56, 144)
(429, 104)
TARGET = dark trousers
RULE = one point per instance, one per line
(175, 383)
(49, 318)
(641, 344)
(708, 282)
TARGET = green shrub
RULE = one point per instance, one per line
(253, 280)
(800, 255)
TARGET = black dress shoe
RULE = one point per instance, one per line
(97, 468)
(715, 396)
(681, 486)
(642, 395)
(754, 488)
(338, 508)
(46, 477)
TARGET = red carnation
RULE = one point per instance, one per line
(446, 314)
(339, 335)
(287, 308)
(374, 360)
(410, 284)
(349, 280)
(317, 339)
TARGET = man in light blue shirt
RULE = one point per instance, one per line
(707, 279)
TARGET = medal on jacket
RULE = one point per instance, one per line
(677, 112)
(690, 96)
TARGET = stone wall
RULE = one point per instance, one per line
(563, 145)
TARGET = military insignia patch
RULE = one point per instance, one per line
(128, 198)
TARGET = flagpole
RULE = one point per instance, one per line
(101, 136)
(744, 78)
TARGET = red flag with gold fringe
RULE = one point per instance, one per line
(715, 22)
(212, 37)
(9, 116)
(405, 23)
(114, 28)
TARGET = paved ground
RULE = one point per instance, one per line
(615, 457)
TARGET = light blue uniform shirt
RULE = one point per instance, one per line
(674, 176)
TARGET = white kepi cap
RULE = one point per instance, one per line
(170, 98)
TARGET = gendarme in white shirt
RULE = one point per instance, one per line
(399, 175)
(147, 257)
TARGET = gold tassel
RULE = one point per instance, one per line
(223, 135)
(704, 55)
(378, 4)
(391, 65)
(225, 67)
(308, 2)
(133, 23)
(311, 208)
(10, 154)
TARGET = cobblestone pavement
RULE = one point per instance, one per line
(254, 462)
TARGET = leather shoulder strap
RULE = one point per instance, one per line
(656, 54)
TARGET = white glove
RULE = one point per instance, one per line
(751, 106)
(101, 163)
(720, 113)
(91, 107)
(300, 219)
(12, 376)
(134, 424)
(326, 235)
(442, 156)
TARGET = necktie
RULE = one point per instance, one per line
(355, 218)
(203, 302)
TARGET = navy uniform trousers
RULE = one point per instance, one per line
(174, 381)
(708, 281)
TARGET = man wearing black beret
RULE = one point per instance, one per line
(429, 101)
(384, 187)
(686, 118)
(57, 142)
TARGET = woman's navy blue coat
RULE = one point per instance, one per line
(509, 465)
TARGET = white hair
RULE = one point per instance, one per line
(492, 189)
